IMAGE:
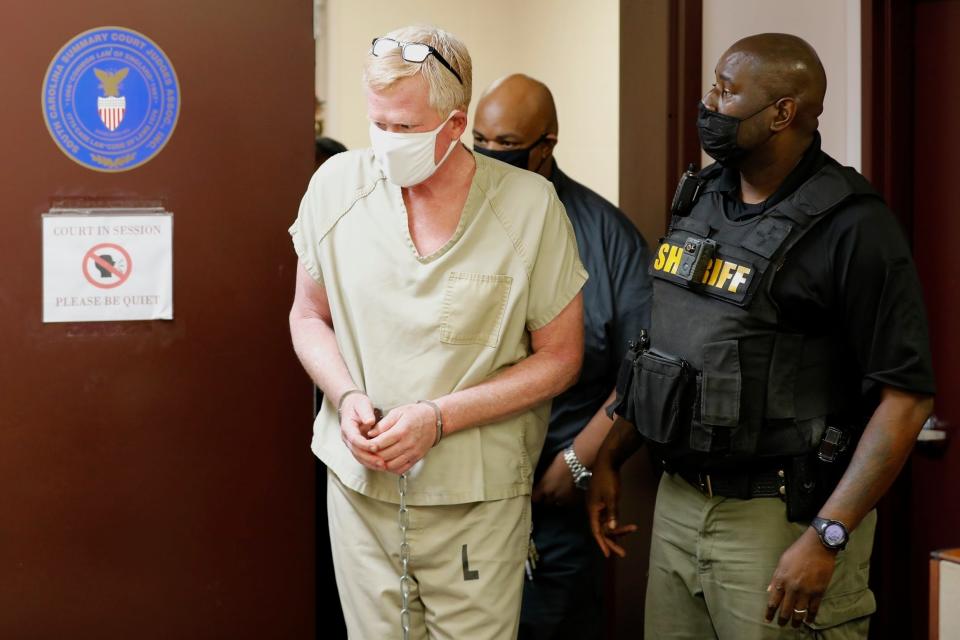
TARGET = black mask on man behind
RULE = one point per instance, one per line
(718, 134)
(517, 157)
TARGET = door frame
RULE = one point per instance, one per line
(658, 112)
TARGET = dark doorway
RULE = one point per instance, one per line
(935, 493)
(330, 623)
(658, 139)
(911, 70)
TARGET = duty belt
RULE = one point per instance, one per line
(737, 484)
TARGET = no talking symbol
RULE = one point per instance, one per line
(107, 265)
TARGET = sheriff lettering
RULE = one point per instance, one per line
(723, 277)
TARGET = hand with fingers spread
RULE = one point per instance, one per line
(357, 418)
(404, 436)
(602, 499)
(556, 486)
(800, 580)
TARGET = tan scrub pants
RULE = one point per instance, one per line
(711, 560)
(466, 561)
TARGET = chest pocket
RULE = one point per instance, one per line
(473, 308)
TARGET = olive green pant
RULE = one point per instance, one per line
(711, 560)
(466, 562)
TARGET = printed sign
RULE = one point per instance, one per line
(110, 99)
(107, 266)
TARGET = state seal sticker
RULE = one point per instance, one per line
(110, 99)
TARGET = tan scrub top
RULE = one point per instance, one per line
(413, 327)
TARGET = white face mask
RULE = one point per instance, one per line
(407, 158)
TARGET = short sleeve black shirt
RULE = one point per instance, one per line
(616, 306)
(852, 274)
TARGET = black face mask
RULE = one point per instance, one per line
(718, 135)
(519, 158)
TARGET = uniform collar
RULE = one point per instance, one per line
(729, 181)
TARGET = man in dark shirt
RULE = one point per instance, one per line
(789, 333)
(516, 122)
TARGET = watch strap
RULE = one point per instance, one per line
(577, 468)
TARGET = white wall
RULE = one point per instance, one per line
(571, 45)
(831, 26)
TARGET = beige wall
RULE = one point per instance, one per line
(571, 45)
(831, 26)
(949, 596)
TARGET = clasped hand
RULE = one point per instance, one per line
(393, 443)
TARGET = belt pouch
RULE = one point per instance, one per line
(660, 396)
(622, 403)
(805, 495)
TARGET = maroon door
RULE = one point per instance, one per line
(935, 518)
(155, 478)
(911, 69)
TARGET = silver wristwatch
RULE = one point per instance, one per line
(581, 475)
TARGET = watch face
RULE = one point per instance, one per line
(834, 535)
(583, 481)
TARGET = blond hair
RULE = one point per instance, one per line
(446, 92)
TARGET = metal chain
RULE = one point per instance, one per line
(405, 580)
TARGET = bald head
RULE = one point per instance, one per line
(781, 65)
(516, 112)
(526, 100)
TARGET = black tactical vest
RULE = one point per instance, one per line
(721, 382)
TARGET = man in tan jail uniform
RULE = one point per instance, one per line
(442, 288)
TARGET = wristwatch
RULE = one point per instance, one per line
(581, 475)
(833, 533)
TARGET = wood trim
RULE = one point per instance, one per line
(887, 111)
(684, 90)
(644, 62)
(948, 555)
(660, 55)
(660, 59)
